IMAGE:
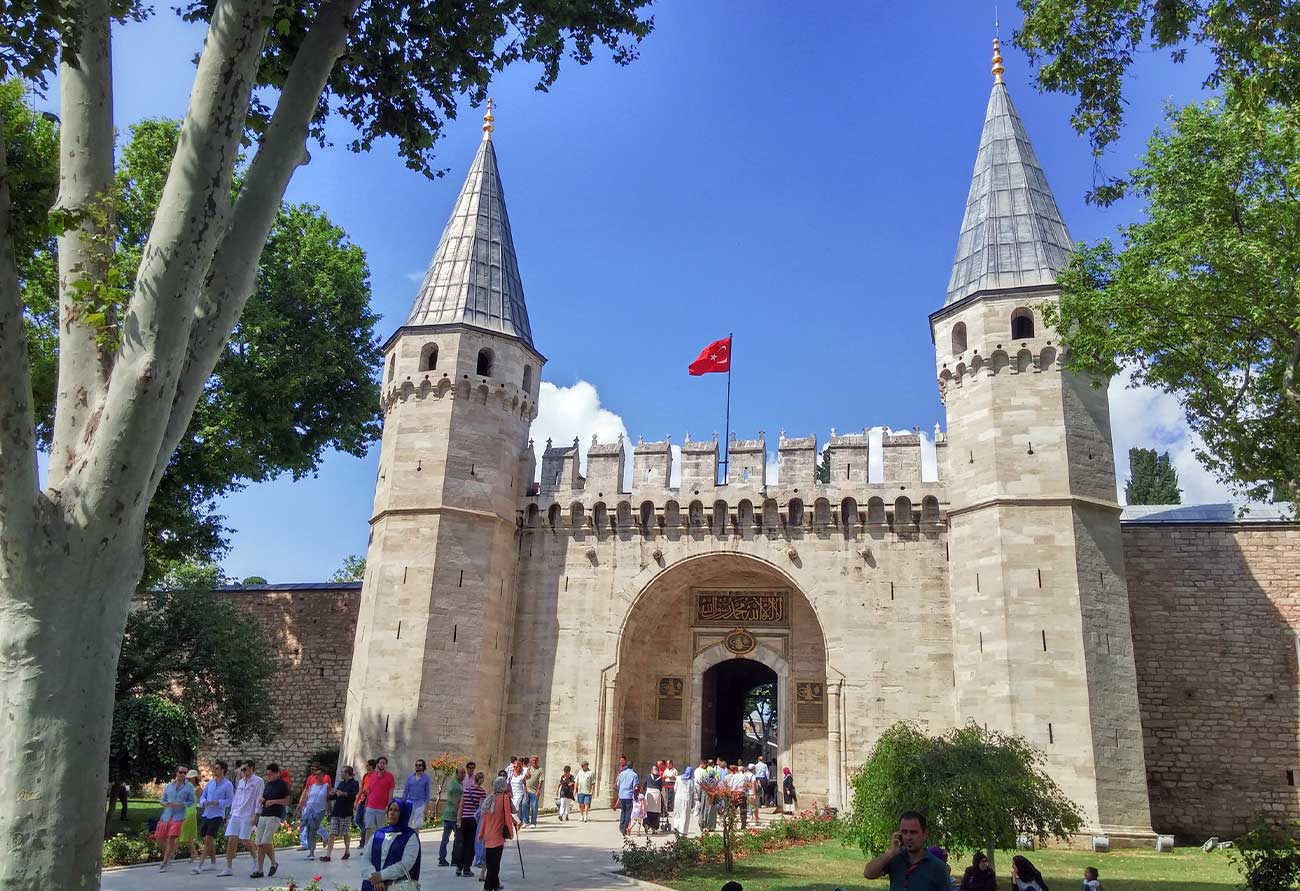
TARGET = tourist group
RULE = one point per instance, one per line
(694, 798)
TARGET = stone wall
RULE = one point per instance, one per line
(1216, 611)
(313, 627)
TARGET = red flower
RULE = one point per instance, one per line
(315, 878)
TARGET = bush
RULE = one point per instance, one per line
(1268, 858)
(125, 849)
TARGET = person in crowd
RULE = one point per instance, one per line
(1025, 876)
(942, 853)
(517, 776)
(450, 812)
(343, 800)
(979, 875)
(761, 778)
(586, 782)
(638, 811)
(706, 781)
(315, 804)
(418, 790)
(471, 797)
(495, 829)
(908, 863)
(788, 792)
(177, 798)
(1092, 879)
(275, 804)
(316, 776)
(653, 790)
(480, 849)
(359, 818)
(394, 861)
(670, 786)
(214, 804)
(189, 837)
(566, 793)
(753, 792)
(243, 814)
(734, 782)
(683, 801)
(380, 794)
(627, 786)
(534, 778)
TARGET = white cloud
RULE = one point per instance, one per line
(566, 412)
(1143, 417)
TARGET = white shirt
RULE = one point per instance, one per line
(760, 770)
(670, 775)
(586, 781)
(247, 795)
(516, 782)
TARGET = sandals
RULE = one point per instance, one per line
(325, 858)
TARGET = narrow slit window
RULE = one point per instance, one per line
(1051, 737)
(1044, 640)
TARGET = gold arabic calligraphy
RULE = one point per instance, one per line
(740, 607)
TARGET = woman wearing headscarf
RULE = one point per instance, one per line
(787, 790)
(979, 875)
(654, 799)
(496, 827)
(683, 802)
(394, 861)
(1025, 876)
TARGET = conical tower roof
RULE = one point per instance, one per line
(1012, 234)
(474, 276)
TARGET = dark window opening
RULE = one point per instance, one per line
(484, 363)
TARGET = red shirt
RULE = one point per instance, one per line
(381, 789)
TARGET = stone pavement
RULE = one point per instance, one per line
(557, 855)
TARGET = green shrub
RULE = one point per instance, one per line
(1268, 858)
(125, 849)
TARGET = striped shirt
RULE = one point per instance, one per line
(470, 798)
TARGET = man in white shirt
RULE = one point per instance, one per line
(764, 777)
(586, 780)
(243, 810)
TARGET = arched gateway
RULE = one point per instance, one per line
(699, 639)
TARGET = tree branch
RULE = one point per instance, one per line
(85, 183)
(18, 480)
(233, 273)
(124, 434)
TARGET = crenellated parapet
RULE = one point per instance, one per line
(1030, 358)
(474, 389)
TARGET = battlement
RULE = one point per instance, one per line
(482, 390)
(1035, 356)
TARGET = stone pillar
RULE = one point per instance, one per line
(607, 766)
(834, 748)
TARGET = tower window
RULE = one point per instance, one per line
(528, 378)
(392, 364)
(484, 363)
(959, 338)
(1022, 324)
(429, 357)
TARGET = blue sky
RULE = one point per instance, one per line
(792, 173)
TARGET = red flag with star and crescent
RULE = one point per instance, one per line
(713, 358)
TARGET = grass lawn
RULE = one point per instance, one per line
(828, 864)
(139, 811)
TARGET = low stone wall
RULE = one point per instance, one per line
(1216, 611)
(313, 627)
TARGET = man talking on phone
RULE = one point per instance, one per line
(909, 865)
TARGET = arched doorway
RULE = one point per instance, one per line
(701, 636)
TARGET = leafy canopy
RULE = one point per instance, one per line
(1203, 298)
(977, 788)
(1152, 479)
(1086, 48)
(352, 570)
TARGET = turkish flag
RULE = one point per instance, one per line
(714, 357)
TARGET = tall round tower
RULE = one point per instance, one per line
(1041, 629)
(460, 385)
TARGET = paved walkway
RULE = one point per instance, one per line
(557, 855)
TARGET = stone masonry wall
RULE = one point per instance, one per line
(1216, 611)
(312, 628)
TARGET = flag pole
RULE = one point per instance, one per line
(726, 441)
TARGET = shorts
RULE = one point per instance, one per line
(266, 828)
(340, 825)
(240, 827)
(170, 829)
(376, 818)
(210, 827)
(584, 798)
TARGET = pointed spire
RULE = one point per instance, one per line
(1012, 234)
(474, 276)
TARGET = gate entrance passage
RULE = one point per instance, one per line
(738, 718)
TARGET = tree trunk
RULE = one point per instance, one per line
(58, 641)
(988, 852)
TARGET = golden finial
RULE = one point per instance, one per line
(487, 121)
(997, 61)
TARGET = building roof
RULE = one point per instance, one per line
(1012, 234)
(474, 276)
(1208, 513)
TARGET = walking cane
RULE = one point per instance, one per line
(520, 849)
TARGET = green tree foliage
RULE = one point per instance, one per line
(151, 736)
(1202, 299)
(1086, 48)
(352, 570)
(295, 380)
(253, 580)
(1152, 479)
(1268, 857)
(824, 468)
(978, 790)
(198, 651)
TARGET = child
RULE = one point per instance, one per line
(1091, 882)
(638, 812)
(568, 790)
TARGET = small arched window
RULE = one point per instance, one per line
(392, 364)
(528, 378)
(429, 357)
(1022, 324)
(485, 362)
(959, 338)
(795, 511)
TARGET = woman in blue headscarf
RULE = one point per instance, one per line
(683, 801)
(394, 862)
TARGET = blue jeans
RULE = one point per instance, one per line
(531, 804)
(624, 814)
(448, 826)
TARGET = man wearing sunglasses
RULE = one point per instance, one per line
(243, 810)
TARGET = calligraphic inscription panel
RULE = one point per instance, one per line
(671, 697)
(742, 607)
(810, 703)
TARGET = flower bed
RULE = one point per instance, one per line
(667, 860)
(126, 848)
